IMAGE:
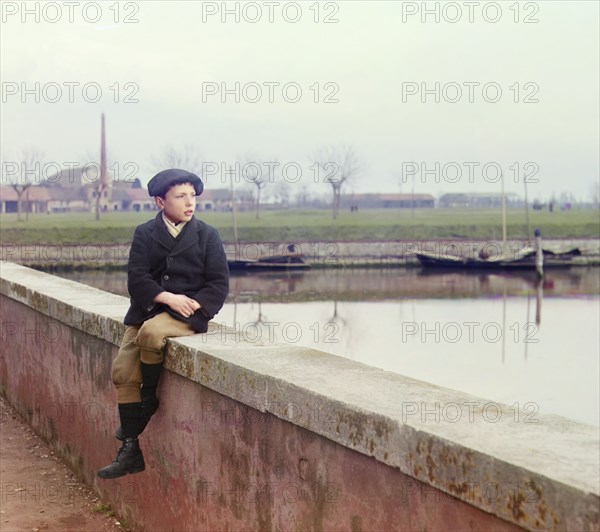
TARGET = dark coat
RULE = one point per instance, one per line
(193, 264)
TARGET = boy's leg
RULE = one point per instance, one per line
(151, 340)
(127, 378)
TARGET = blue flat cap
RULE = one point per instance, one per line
(162, 181)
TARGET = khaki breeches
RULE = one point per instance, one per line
(143, 343)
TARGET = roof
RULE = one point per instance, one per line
(119, 195)
(44, 193)
(73, 177)
(33, 193)
(67, 194)
(129, 183)
(465, 195)
(389, 197)
(138, 194)
(216, 194)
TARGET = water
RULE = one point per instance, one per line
(497, 336)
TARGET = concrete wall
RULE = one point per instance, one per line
(269, 437)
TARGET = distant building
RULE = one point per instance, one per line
(34, 199)
(75, 190)
(216, 199)
(130, 196)
(478, 200)
(387, 201)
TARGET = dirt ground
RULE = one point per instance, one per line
(39, 492)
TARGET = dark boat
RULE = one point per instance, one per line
(280, 262)
(292, 261)
(527, 260)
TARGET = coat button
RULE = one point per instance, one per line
(166, 277)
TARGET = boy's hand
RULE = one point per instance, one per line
(180, 303)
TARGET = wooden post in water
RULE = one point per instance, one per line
(503, 218)
(539, 254)
(539, 295)
(235, 235)
(528, 225)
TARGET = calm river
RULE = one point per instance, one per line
(497, 336)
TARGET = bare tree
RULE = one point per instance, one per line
(338, 166)
(19, 175)
(260, 183)
(566, 199)
(594, 193)
(302, 197)
(187, 158)
(244, 196)
(259, 173)
(282, 193)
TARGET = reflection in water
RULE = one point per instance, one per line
(477, 332)
(375, 284)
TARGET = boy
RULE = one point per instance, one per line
(178, 280)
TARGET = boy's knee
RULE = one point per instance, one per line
(150, 357)
(149, 338)
(126, 371)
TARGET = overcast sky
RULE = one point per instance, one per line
(362, 69)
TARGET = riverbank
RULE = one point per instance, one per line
(333, 254)
(291, 225)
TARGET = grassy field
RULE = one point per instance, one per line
(300, 225)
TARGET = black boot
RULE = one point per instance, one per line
(150, 376)
(129, 460)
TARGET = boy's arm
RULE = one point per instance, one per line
(142, 288)
(216, 272)
(180, 303)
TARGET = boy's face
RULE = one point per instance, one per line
(179, 203)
